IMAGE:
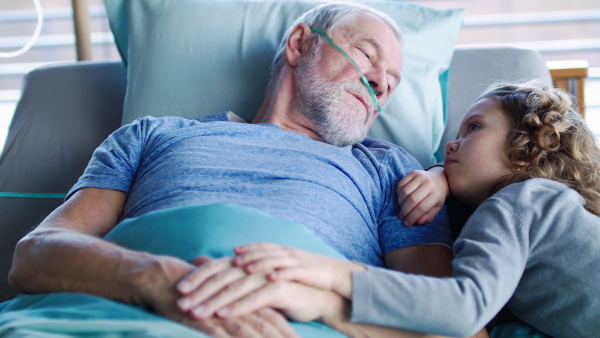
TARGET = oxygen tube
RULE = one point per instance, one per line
(363, 78)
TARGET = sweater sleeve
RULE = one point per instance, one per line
(490, 257)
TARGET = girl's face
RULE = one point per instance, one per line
(476, 161)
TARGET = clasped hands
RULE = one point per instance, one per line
(268, 275)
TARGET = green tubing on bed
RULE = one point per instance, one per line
(31, 195)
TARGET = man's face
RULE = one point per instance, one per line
(330, 92)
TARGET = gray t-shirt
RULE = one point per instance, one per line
(346, 196)
(532, 244)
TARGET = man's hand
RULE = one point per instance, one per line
(264, 322)
(218, 287)
(421, 195)
(160, 294)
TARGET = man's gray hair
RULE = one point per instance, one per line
(327, 17)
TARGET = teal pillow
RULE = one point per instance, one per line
(193, 58)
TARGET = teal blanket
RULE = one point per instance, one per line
(183, 232)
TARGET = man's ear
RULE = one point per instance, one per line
(296, 44)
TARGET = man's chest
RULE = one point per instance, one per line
(297, 173)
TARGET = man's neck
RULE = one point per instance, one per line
(281, 108)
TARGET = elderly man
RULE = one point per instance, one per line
(303, 159)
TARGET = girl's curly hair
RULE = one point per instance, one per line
(549, 139)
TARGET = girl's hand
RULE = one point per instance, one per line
(421, 195)
(283, 263)
(217, 287)
(296, 301)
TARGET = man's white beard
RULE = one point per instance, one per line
(337, 121)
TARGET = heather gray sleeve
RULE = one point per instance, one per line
(490, 257)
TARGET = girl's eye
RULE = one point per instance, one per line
(473, 126)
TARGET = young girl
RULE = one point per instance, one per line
(525, 158)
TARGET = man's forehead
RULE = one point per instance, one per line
(371, 29)
(384, 40)
(361, 35)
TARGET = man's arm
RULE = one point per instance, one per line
(431, 260)
(65, 253)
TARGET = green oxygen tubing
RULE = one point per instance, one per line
(363, 78)
(31, 195)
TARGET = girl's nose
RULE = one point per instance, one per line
(451, 147)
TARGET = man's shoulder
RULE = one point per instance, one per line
(151, 124)
(384, 151)
(177, 120)
(379, 146)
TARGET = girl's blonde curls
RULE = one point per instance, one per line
(549, 139)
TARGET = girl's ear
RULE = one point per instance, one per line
(296, 45)
(524, 167)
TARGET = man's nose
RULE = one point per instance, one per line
(378, 81)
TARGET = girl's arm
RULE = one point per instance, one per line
(281, 291)
(491, 255)
(284, 263)
(421, 195)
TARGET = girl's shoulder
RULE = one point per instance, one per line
(537, 190)
(539, 201)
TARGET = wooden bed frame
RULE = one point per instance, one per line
(570, 75)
